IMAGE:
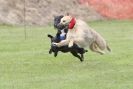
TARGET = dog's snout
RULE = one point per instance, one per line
(60, 24)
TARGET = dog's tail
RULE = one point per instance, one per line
(108, 48)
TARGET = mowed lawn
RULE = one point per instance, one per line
(26, 64)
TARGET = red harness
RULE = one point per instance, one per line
(72, 23)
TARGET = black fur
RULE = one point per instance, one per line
(75, 50)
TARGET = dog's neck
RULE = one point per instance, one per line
(72, 23)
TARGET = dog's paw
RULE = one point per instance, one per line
(102, 52)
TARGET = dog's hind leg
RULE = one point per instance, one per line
(108, 48)
(50, 51)
(94, 48)
(82, 56)
(76, 55)
(55, 54)
(101, 43)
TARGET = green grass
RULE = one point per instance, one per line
(26, 64)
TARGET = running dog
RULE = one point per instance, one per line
(82, 35)
(75, 50)
(61, 35)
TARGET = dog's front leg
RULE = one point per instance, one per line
(62, 43)
(50, 51)
(71, 43)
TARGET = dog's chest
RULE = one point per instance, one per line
(71, 34)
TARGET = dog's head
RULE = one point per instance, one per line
(65, 20)
(57, 20)
(68, 21)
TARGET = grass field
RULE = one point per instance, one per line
(26, 64)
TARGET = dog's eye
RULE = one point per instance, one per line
(63, 20)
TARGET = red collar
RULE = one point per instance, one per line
(72, 23)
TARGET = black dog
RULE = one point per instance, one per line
(74, 50)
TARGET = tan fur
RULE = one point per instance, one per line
(83, 36)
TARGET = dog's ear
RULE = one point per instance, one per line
(50, 36)
(61, 16)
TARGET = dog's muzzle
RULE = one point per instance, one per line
(62, 26)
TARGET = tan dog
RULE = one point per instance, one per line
(82, 35)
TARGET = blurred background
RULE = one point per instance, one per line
(41, 12)
(25, 62)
